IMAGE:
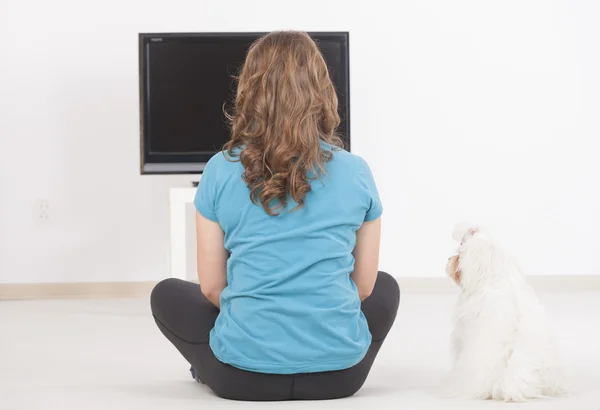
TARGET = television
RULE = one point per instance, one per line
(185, 81)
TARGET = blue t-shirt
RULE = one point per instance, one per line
(290, 305)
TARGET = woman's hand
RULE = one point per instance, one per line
(366, 257)
(212, 258)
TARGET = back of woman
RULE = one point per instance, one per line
(288, 240)
(290, 305)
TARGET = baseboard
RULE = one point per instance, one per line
(143, 289)
(75, 290)
(555, 283)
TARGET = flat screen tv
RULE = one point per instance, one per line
(185, 81)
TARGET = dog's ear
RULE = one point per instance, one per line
(453, 270)
(464, 230)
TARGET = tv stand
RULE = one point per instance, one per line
(179, 198)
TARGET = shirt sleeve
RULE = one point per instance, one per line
(205, 200)
(374, 206)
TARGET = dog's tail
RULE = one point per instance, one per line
(524, 381)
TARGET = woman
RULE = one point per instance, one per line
(288, 229)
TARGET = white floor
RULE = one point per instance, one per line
(107, 354)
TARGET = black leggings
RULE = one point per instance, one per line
(186, 318)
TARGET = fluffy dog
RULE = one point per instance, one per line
(501, 343)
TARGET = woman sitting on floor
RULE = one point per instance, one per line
(291, 305)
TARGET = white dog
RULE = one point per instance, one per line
(501, 342)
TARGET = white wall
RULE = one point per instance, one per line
(465, 110)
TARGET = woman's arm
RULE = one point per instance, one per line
(212, 258)
(366, 257)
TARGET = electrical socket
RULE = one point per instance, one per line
(42, 212)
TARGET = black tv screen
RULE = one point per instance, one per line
(187, 79)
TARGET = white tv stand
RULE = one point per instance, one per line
(178, 200)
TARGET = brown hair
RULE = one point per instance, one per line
(284, 107)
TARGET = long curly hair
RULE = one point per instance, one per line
(285, 106)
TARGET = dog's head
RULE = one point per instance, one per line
(475, 258)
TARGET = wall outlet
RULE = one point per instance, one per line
(42, 212)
